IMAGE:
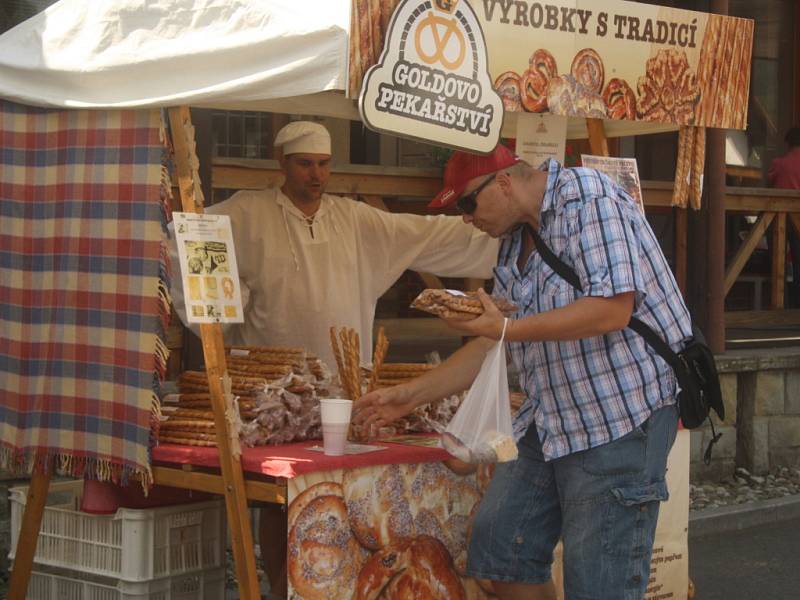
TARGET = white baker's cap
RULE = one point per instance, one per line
(303, 136)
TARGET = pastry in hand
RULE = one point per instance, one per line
(452, 304)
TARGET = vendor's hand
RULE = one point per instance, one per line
(382, 407)
(488, 325)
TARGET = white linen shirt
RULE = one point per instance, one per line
(296, 285)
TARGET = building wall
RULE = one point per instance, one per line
(761, 430)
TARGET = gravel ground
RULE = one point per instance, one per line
(745, 488)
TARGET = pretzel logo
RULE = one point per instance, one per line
(446, 5)
(432, 78)
(432, 22)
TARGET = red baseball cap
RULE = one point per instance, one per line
(464, 166)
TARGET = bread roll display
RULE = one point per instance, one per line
(324, 559)
(404, 530)
(277, 391)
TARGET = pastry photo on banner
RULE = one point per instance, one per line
(616, 60)
(384, 531)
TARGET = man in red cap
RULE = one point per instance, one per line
(600, 412)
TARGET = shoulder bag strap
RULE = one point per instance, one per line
(570, 276)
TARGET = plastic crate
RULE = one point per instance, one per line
(132, 544)
(201, 585)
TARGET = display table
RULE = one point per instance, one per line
(290, 460)
(358, 509)
(346, 513)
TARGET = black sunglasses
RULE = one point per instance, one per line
(467, 204)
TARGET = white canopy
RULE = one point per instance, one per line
(126, 53)
(286, 56)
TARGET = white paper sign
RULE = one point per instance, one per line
(669, 566)
(541, 137)
(208, 266)
(623, 171)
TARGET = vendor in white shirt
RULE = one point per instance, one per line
(309, 261)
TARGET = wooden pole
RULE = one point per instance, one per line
(715, 238)
(598, 141)
(214, 353)
(778, 274)
(681, 249)
(28, 536)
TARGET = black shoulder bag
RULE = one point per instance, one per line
(694, 366)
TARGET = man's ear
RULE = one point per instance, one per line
(504, 181)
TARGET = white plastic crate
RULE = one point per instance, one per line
(132, 545)
(201, 585)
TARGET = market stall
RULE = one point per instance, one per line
(688, 67)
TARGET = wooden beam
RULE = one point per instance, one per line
(214, 484)
(746, 249)
(715, 232)
(762, 318)
(598, 141)
(778, 260)
(413, 328)
(186, 165)
(28, 536)
(245, 177)
(794, 219)
(770, 201)
(426, 183)
(473, 283)
(681, 247)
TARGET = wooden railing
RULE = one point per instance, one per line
(382, 186)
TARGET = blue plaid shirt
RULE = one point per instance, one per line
(582, 394)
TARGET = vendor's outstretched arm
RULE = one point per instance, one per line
(383, 406)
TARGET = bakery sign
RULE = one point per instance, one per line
(577, 58)
(431, 81)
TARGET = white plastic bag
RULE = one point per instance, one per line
(481, 430)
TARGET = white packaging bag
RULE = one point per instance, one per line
(481, 430)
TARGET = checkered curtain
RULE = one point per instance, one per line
(83, 289)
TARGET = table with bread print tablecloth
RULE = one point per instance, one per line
(395, 519)
(394, 523)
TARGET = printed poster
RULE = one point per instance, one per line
(353, 532)
(541, 137)
(374, 531)
(577, 58)
(623, 171)
(208, 267)
(669, 566)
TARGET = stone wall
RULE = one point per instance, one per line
(761, 430)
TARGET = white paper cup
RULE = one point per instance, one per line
(335, 417)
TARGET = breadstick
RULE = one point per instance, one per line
(685, 143)
(355, 363)
(347, 383)
(381, 346)
(338, 355)
(402, 367)
(167, 439)
(696, 191)
(187, 424)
